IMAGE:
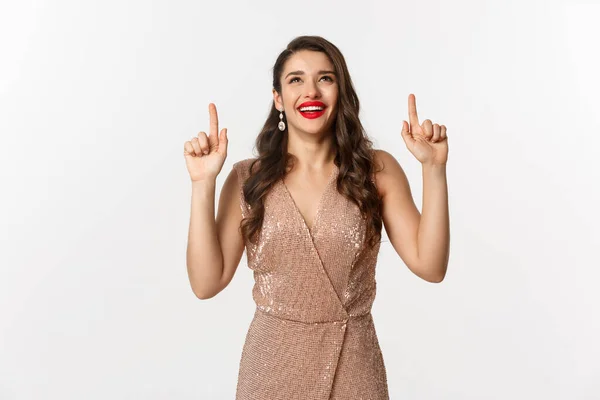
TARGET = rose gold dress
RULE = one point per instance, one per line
(312, 336)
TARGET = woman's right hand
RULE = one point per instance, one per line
(204, 156)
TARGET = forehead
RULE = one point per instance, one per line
(308, 61)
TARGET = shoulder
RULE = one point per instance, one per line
(243, 163)
(234, 183)
(388, 171)
(242, 167)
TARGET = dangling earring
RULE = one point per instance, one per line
(281, 125)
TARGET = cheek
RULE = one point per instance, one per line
(289, 99)
(333, 95)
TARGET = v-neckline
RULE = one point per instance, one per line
(315, 220)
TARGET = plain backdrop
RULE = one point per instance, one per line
(98, 97)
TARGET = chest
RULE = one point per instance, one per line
(288, 244)
(306, 195)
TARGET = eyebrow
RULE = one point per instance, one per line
(302, 73)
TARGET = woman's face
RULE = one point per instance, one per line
(308, 80)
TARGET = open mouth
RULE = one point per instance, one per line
(312, 111)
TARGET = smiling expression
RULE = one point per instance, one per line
(309, 92)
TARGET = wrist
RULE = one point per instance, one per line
(208, 183)
(434, 167)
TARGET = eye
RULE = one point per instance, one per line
(323, 77)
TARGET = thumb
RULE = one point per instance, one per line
(223, 141)
(405, 133)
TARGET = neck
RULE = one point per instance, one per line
(312, 152)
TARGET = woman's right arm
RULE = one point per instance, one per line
(215, 247)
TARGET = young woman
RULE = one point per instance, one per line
(309, 210)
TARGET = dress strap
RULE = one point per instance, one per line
(243, 172)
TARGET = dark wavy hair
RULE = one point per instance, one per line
(354, 153)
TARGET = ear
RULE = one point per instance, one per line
(277, 100)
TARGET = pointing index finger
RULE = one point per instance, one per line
(214, 120)
(412, 111)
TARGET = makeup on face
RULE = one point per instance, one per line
(310, 84)
(312, 109)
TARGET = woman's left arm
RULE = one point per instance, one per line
(422, 240)
(434, 227)
(428, 142)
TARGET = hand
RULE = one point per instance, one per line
(204, 156)
(427, 142)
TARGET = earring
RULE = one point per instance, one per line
(281, 125)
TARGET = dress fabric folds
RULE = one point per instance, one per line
(312, 335)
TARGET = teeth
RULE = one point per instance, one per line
(311, 108)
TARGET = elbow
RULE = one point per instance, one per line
(205, 294)
(202, 296)
(436, 278)
(433, 275)
(203, 288)
(439, 277)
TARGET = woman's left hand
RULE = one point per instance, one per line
(427, 142)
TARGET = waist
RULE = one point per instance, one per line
(271, 314)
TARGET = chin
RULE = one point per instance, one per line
(314, 126)
(315, 130)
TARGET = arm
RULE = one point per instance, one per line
(434, 228)
(421, 241)
(424, 240)
(215, 247)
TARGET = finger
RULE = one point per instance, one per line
(436, 133)
(203, 143)
(213, 138)
(214, 119)
(197, 143)
(405, 133)
(188, 149)
(213, 141)
(427, 127)
(196, 146)
(443, 132)
(412, 111)
(223, 141)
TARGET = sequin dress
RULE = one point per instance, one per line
(312, 336)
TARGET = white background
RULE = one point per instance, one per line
(97, 99)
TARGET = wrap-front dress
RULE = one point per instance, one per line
(312, 336)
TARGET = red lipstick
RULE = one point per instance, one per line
(312, 114)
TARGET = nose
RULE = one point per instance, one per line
(312, 90)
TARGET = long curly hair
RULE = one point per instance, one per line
(354, 153)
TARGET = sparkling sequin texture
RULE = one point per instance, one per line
(312, 335)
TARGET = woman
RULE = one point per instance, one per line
(311, 208)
